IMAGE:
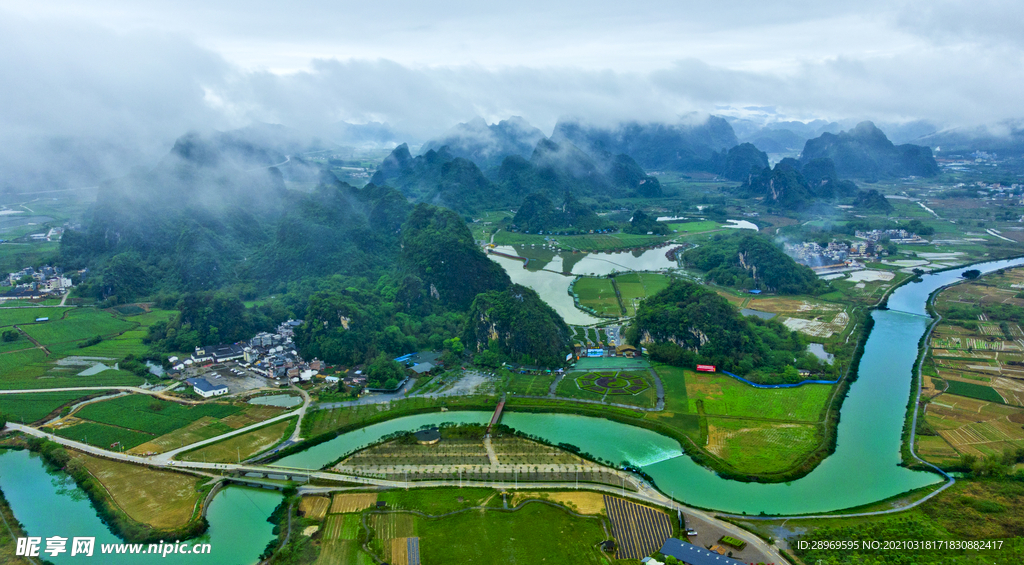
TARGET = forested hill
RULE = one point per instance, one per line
(439, 249)
(687, 323)
(747, 261)
(439, 177)
(793, 185)
(655, 146)
(865, 152)
(197, 221)
(488, 145)
(516, 323)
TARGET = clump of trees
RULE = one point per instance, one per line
(687, 324)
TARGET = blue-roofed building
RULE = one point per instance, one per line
(205, 389)
(695, 555)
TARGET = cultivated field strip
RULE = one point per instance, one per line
(639, 530)
(399, 551)
(314, 507)
(355, 502)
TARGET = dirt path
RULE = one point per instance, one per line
(33, 340)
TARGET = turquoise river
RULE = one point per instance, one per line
(864, 468)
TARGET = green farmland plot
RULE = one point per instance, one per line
(589, 242)
(599, 295)
(30, 407)
(534, 534)
(726, 396)
(78, 325)
(146, 414)
(19, 316)
(694, 227)
(634, 287)
(969, 390)
(102, 435)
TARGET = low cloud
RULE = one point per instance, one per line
(79, 95)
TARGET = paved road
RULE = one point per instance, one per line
(306, 400)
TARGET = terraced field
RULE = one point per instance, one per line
(967, 426)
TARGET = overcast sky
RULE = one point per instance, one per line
(150, 70)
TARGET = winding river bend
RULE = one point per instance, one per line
(863, 469)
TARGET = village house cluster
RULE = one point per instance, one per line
(270, 355)
(895, 236)
(835, 254)
(35, 283)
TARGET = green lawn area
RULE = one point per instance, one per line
(536, 533)
(151, 415)
(726, 396)
(694, 227)
(34, 406)
(673, 379)
(530, 385)
(599, 294)
(570, 387)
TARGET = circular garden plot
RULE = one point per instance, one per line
(612, 383)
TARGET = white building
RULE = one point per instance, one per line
(205, 389)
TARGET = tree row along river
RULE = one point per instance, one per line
(864, 468)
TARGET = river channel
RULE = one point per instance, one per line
(543, 273)
(863, 469)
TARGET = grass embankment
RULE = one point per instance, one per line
(124, 494)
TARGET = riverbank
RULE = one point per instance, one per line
(117, 519)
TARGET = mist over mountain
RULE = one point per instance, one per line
(655, 146)
(553, 169)
(488, 145)
(211, 214)
(366, 135)
(865, 152)
(1003, 139)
